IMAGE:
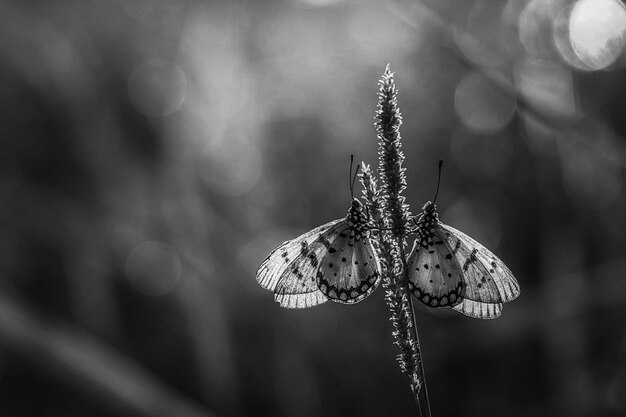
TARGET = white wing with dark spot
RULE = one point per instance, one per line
(435, 277)
(447, 268)
(488, 279)
(290, 270)
(349, 273)
(281, 259)
(297, 286)
(478, 284)
(335, 261)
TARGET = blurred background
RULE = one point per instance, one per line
(154, 152)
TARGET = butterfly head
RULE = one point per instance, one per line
(356, 211)
(429, 214)
(429, 208)
(426, 222)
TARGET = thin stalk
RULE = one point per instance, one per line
(420, 392)
(398, 297)
(391, 216)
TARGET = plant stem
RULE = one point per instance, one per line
(394, 219)
(419, 389)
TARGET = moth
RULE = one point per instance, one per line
(336, 261)
(447, 268)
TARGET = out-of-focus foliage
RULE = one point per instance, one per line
(154, 152)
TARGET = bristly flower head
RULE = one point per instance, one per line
(394, 224)
(388, 121)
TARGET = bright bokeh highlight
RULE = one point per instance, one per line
(597, 29)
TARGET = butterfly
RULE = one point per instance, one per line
(335, 261)
(447, 268)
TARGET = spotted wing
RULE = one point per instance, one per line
(297, 287)
(281, 258)
(435, 276)
(349, 273)
(487, 278)
(290, 270)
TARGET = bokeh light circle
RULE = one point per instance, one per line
(596, 31)
(536, 27)
(481, 105)
(157, 87)
(481, 37)
(153, 267)
(546, 85)
(562, 40)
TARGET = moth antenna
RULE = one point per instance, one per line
(350, 183)
(352, 179)
(356, 172)
(438, 181)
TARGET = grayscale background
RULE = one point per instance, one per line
(153, 152)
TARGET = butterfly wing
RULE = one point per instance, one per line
(298, 287)
(454, 270)
(349, 273)
(280, 259)
(439, 276)
(447, 267)
(335, 261)
(479, 310)
(301, 299)
(290, 270)
(478, 283)
(488, 279)
(435, 277)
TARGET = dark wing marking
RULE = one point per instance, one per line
(435, 277)
(487, 265)
(297, 286)
(478, 284)
(281, 258)
(350, 272)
